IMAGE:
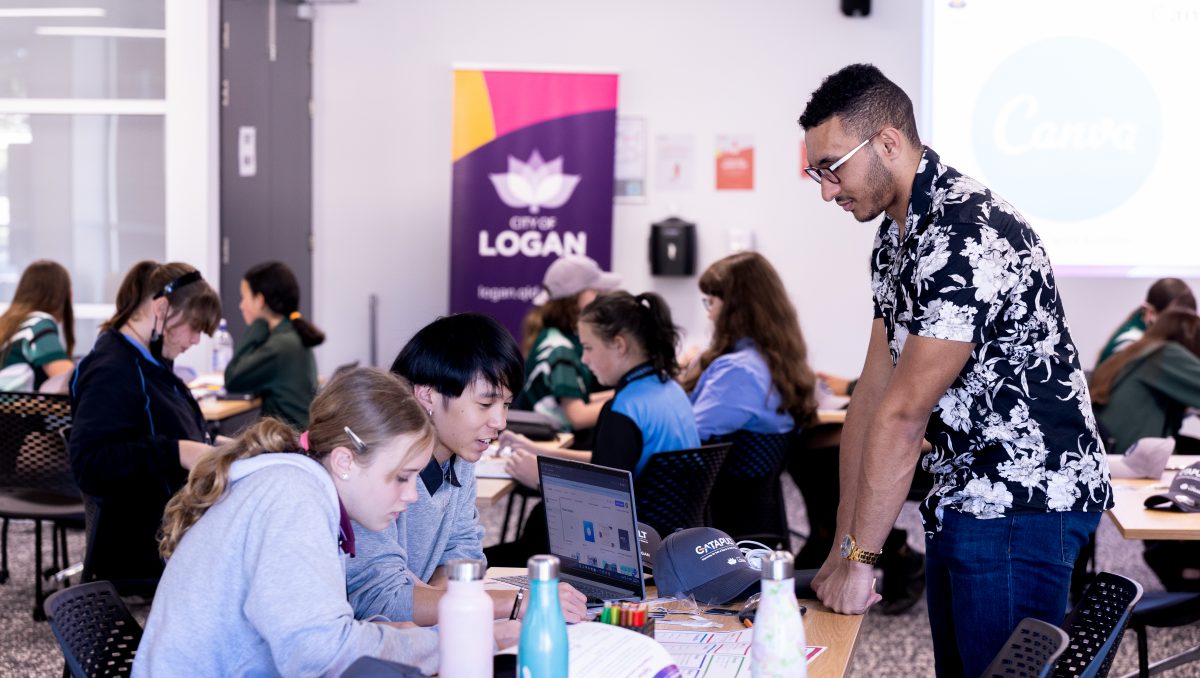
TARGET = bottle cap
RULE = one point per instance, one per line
(778, 566)
(464, 570)
(543, 568)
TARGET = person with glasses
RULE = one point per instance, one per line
(970, 350)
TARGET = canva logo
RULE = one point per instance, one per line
(534, 184)
(1067, 128)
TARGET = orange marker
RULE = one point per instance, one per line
(747, 623)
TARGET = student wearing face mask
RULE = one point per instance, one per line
(136, 430)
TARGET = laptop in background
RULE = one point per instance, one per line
(592, 525)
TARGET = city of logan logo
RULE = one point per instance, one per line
(535, 184)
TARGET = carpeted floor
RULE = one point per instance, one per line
(888, 646)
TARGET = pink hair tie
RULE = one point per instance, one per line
(304, 441)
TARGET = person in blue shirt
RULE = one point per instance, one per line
(755, 375)
(629, 342)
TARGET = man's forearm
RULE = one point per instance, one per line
(891, 449)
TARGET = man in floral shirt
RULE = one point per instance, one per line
(969, 350)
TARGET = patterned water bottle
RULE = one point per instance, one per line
(542, 652)
(778, 646)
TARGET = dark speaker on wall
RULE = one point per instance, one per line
(673, 247)
(856, 7)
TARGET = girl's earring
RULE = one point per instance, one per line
(345, 476)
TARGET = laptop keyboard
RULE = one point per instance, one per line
(593, 592)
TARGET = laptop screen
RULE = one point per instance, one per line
(591, 521)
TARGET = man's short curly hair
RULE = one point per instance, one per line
(865, 100)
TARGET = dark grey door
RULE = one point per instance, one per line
(266, 145)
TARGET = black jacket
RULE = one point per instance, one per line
(128, 416)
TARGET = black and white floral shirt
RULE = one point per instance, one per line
(1015, 432)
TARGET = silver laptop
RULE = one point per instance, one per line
(592, 524)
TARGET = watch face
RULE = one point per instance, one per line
(847, 545)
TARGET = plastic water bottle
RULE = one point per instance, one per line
(778, 647)
(465, 623)
(542, 652)
(222, 350)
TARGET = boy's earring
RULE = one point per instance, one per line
(430, 411)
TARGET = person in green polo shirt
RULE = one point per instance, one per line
(37, 332)
(274, 359)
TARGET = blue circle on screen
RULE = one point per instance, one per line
(1067, 129)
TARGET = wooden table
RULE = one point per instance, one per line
(1135, 521)
(489, 491)
(836, 632)
(229, 417)
(831, 416)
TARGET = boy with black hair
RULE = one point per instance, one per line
(464, 369)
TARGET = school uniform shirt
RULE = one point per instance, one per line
(440, 526)
(129, 413)
(554, 370)
(257, 587)
(37, 342)
(1130, 331)
(1151, 394)
(1014, 433)
(277, 367)
(735, 393)
(648, 413)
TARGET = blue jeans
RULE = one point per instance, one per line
(984, 576)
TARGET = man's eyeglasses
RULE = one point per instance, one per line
(707, 301)
(821, 174)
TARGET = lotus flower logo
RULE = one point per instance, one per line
(534, 184)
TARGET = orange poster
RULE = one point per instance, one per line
(735, 162)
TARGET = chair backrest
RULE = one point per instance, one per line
(1030, 652)
(756, 455)
(672, 490)
(33, 443)
(97, 634)
(1096, 625)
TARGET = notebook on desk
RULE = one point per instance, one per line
(592, 524)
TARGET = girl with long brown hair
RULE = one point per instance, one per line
(135, 427)
(37, 332)
(754, 375)
(255, 542)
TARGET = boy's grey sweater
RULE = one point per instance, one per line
(257, 586)
(433, 531)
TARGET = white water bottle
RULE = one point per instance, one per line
(222, 350)
(465, 623)
(778, 648)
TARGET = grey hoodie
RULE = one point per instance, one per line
(258, 587)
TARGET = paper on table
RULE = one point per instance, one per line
(603, 651)
(491, 467)
(716, 655)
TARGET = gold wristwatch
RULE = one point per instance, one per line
(851, 551)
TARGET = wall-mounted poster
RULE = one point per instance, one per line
(674, 162)
(630, 170)
(735, 162)
(533, 180)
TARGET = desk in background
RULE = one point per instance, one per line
(1135, 521)
(488, 491)
(230, 417)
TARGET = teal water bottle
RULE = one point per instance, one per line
(542, 652)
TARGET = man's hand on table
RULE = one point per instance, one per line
(849, 588)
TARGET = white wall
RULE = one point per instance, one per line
(382, 84)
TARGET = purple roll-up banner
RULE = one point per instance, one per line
(533, 181)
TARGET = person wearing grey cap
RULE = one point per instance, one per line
(557, 383)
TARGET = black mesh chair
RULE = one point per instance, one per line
(35, 478)
(95, 631)
(1164, 610)
(1096, 625)
(672, 491)
(1030, 652)
(747, 499)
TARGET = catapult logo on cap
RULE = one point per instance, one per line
(715, 545)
